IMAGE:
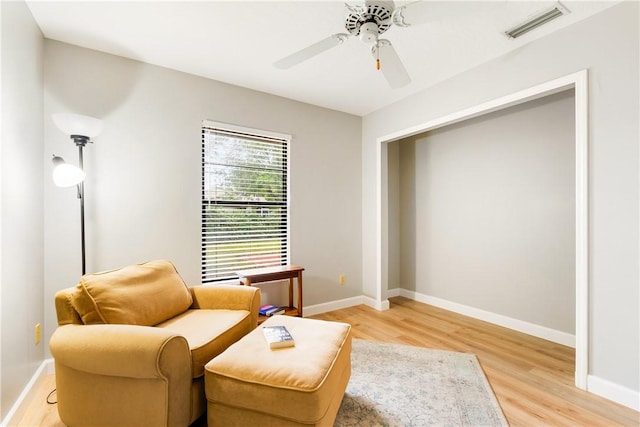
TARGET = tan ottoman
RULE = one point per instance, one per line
(250, 384)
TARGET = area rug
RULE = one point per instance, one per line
(399, 385)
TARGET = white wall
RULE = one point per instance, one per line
(608, 46)
(491, 207)
(143, 185)
(21, 201)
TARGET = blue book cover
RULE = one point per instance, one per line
(266, 309)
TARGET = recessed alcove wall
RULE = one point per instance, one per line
(482, 212)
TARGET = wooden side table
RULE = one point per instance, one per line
(269, 274)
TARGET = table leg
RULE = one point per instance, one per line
(300, 293)
(290, 291)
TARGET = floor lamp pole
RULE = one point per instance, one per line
(81, 197)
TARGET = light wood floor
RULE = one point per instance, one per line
(532, 378)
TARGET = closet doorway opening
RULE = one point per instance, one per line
(577, 83)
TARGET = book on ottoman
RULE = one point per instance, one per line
(278, 336)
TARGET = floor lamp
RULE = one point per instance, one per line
(80, 129)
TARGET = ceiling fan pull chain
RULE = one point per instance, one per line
(377, 55)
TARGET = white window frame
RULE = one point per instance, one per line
(249, 132)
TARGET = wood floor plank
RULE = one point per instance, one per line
(532, 378)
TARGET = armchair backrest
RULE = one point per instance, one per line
(142, 294)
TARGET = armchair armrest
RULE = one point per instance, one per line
(122, 375)
(227, 297)
(122, 350)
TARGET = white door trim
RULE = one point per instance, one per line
(577, 81)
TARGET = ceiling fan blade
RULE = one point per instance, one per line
(391, 65)
(425, 11)
(311, 51)
(358, 9)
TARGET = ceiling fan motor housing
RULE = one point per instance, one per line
(369, 20)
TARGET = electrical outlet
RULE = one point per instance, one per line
(343, 279)
(38, 335)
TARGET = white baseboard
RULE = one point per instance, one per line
(373, 303)
(312, 310)
(518, 325)
(17, 411)
(395, 292)
(614, 392)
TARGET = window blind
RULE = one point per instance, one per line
(245, 215)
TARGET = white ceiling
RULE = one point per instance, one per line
(237, 42)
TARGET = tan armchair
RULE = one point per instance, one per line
(131, 345)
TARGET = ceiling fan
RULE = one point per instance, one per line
(367, 22)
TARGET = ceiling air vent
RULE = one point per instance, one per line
(537, 20)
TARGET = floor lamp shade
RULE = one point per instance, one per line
(66, 175)
(77, 124)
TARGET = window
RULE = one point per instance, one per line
(245, 203)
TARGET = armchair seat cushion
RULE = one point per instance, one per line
(208, 333)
